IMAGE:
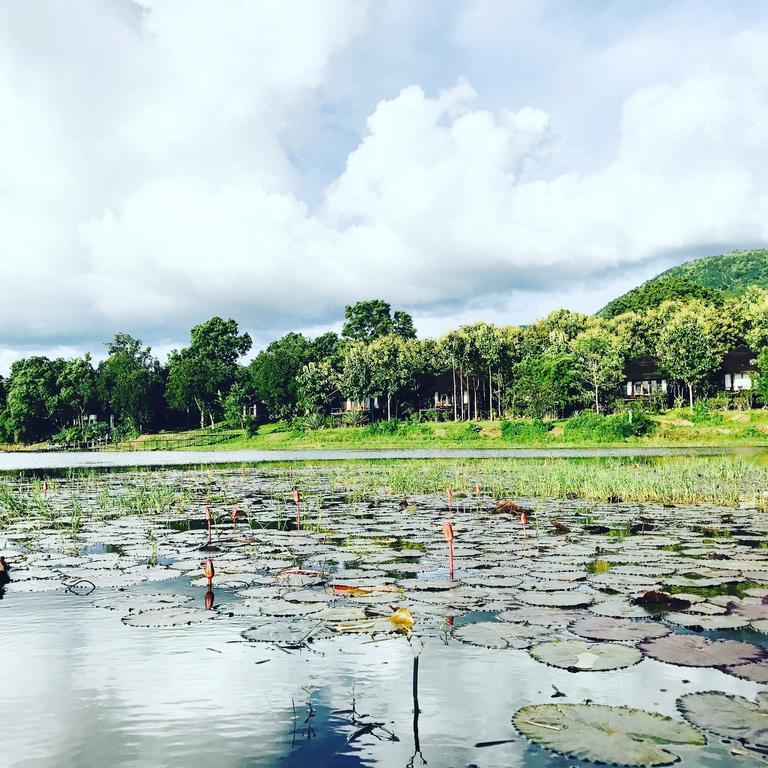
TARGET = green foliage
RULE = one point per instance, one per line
(32, 409)
(658, 290)
(710, 279)
(275, 373)
(199, 374)
(524, 431)
(545, 384)
(129, 382)
(96, 431)
(369, 320)
(687, 351)
(594, 427)
(762, 378)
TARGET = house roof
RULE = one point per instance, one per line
(738, 359)
(643, 367)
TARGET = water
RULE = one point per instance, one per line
(29, 460)
(82, 688)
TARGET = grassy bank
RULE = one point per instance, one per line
(674, 428)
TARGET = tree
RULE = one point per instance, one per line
(128, 380)
(545, 384)
(200, 375)
(77, 389)
(275, 371)
(762, 375)
(686, 352)
(598, 365)
(31, 409)
(356, 375)
(317, 383)
(369, 320)
(394, 365)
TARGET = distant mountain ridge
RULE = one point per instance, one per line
(712, 278)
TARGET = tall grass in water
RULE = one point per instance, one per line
(723, 481)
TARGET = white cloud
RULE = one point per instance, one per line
(148, 182)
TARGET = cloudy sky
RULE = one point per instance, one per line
(162, 161)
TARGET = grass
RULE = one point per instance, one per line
(673, 428)
(683, 480)
(723, 481)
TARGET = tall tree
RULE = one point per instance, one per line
(126, 379)
(32, 401)
(77, 388)
(598, 365)
(686, 351)
(394, 363)
(371, 319)
(275, 371)
(200, 375)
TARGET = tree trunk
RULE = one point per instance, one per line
(455, 411)
(490, 393)
(389, 408)
(461, 390)
(690, 394)
(597, 399)
(475, 399)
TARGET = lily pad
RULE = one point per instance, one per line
(561, 599)
(608, 628)
(495, 634)
(697, 651)
(603, 734)
(730, 717)
(581, 656)
(168, 617)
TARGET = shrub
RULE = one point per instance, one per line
(703, 414)
(72, 435)
(524, 431)
(385, 427)
(617, 426)
(251, 426)
(354, 418)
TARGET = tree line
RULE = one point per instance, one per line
(564, 362)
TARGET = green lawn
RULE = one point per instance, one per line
(674, 428)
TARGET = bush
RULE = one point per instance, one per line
(251, 426)
(385, 427)
(617, 426)
(354, 418)
(99, 430)
(434, 414)
(703, 414)
(524, 431)
(389, 427)
(309, 423)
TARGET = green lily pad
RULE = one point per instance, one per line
(731, 717)
(581, 656)
(696, 651)
(603, 734)
(496, 634)
(609, 628)
(561, 599)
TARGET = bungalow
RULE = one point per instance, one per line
(643, 377)
(737, 370)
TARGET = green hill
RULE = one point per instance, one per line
(712, 278)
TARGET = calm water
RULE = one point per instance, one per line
(82, 689)
(18, 460)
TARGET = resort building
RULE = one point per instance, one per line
(737, 370)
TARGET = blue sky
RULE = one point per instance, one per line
(164, 161)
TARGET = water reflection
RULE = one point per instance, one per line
(22, 460)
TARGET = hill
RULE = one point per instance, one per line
(711, 278)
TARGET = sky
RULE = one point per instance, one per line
(164, 161)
